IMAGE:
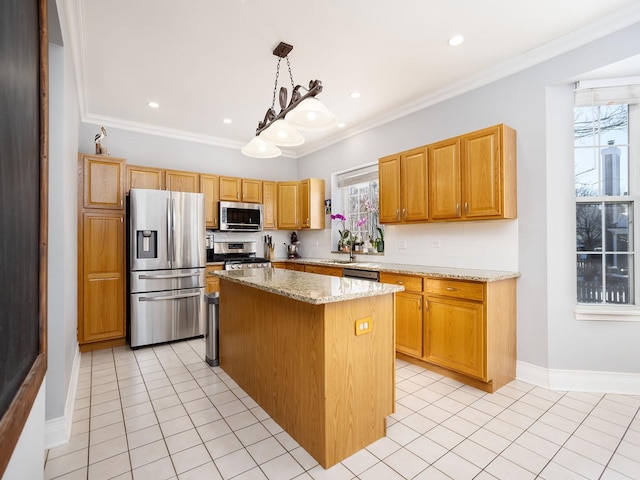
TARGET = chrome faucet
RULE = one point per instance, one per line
(352, 257)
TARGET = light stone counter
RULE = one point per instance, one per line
(422, 270)
(308, 287)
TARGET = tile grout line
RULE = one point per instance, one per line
(619, 443)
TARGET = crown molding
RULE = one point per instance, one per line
(594, 31)
(601, 28)
(168, 132)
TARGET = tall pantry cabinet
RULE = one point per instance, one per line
(101, 252)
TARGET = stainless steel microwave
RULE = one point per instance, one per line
(240, 217)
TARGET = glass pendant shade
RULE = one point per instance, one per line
(282, 134)
(258, 148)
(311, 114)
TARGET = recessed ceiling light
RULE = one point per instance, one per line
(226, 121)
(154, 104)
(341, 125)
(355, 95)
(456, 40)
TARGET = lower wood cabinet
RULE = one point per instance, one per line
(101, 272)
(465, 328)
(212, 280)
(324, 270)
(299, 267)
(409, 313)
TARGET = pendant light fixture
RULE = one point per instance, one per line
(304, 112)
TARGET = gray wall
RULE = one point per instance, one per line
(538, 103)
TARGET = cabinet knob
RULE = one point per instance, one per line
(451, 289)
(400, 283)
(404, 213)
(466, 208)
(419, 304)
(397, 214)
(457, 209)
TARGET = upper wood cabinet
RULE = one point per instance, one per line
(403, 187)
(230, 189)
(209, 185)
(251, 190)
(179, 181)
(473, 176)
(301, 204)
(269, 205)
(102, 181)
(145, 177)
(235, 189)
(288, 207)
(312, 203)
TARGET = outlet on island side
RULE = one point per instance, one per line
(364, 325)
(402, 244)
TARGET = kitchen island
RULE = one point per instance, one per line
(317, 353)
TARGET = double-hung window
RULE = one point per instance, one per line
(606, 133)
(358, 202)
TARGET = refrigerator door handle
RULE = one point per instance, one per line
(169, 231)
(169, 297)
(177, 275)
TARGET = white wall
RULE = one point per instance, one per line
(27, 460)
(62, 260)
(544, 234)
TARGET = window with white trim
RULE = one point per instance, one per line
(606, 132)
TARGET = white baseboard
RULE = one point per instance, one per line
(579, 380)
(57, 431)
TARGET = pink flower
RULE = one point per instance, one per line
(362, 221)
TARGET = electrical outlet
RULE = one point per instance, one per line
(364, 325)
(435, 244)
(316, 244)
(402, 244)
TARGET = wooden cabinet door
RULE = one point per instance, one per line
(414, 185)
(178, 181)
(455, 335)
(323, 270)
(305, 204)
(251, 191)
(144, 177)
(445, 196)
(288, 205)
(209, 186)
(230, 189)
(103, 282)
(482, 173)
(389, 188)
(212, 281)
(409, 328)
(103, 182)
(269, 205)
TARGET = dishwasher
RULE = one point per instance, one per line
(371, 275)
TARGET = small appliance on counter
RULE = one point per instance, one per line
(292, 249)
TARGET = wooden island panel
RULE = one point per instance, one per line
(304, 365)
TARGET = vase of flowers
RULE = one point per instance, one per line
(343, 240)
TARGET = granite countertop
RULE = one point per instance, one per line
(308, 287)
(477, 275)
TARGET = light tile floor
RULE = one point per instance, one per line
(162, 413)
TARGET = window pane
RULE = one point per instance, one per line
(619, 283)
(602, 150)
(617, 221)
(589, 278)
(588, 227)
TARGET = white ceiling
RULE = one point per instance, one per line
(206, 60)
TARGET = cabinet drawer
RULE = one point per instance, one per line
(455, 288)
(411, 284)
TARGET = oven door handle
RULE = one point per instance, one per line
(169, 297)
(171, 275)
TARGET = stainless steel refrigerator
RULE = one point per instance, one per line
(167, 260)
